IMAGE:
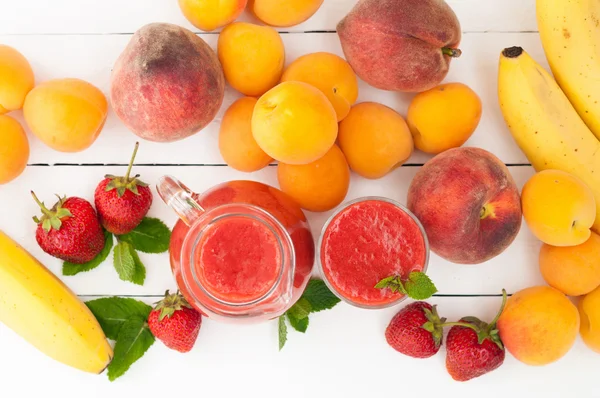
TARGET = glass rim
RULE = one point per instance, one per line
(340, 209)
(282, 243)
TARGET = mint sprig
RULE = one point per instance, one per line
(151, 236)
(124, 321)
(73, 269)
(317, 297)
(417, 286)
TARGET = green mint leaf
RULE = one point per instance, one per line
(70, 269)
(385, 282)
(299, 324)
(151, 236)
(113, 312)
(133, 341)
(124, 262)
(319, 296)
(419, 286)
(394, 283)
(301, 309)
(282, 332)
(139, 275)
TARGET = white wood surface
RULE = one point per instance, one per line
(343, 354)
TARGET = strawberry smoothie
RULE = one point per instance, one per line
(366, 241)
(239, 259)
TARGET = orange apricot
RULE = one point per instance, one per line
(16, 79)
(284, 13)
(236, 143)
(294, 123)
(330, 74)
(14, 149)
(66, 114)
(317, 186)
(375, 139)
(211, 14)
(252, 57)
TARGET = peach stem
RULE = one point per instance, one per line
(451, 52)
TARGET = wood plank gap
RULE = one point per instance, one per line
(196, 165)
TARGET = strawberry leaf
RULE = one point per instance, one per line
(70, 269)
(151, 236)
(113, 312)
(282, 332)
(124, 262)
(133, 341)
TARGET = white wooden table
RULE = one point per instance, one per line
(343, 353)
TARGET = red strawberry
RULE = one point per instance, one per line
(473, 347)
(174, 322)
(122, 202)
(70, 230)
(416, 330)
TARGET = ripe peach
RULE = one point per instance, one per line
(317, 186)
(468, 204)
(558, 208)
(16, 79)
(294, 123)
(66, 114)
(211, 14)
(400, 45)
(375, 139)
(236, 143)
(589, 312)
(252, 57)
(167, 84)
(538, 325)
(284, 13)
(574, 270)
(443, 117)
(330, 74)
(14, 149)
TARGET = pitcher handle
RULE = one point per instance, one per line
(179, 198)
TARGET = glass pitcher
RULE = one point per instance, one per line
(242, 251)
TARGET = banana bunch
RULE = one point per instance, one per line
(570, 33)
(544, 123)
(39, 307)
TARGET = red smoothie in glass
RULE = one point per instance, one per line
(366, 241)
(239, 259)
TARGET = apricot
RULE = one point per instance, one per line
(252, 57)
(574, 270)
(317, 186)
(444, 117)
(14, 149)
(558, 208)
(236, 143)
(294, 123)
(66, 114)
(330, 74)
(400, 45)
(539, 325)
(284, 13)
(16, 79)
(375, 139)
(211, 14)
(167, 84)
(589, 312)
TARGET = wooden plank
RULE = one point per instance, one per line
(91, 58)
(514, 269)
(117, 16)
(338, 356)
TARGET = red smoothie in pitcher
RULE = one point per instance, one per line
(366, 241)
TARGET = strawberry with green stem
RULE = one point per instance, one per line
(474, 347)
(122, 202)
(69, 230)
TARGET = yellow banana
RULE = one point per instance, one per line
(570, 33)
(38, 306)
(544, 123)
